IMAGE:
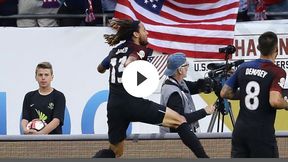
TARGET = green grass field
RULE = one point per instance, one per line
(281, 122)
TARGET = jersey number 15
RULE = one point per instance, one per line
(117, 68)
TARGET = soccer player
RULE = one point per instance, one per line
(258, 84)
(45, 103)
(122, 108)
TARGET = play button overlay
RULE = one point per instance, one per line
(140, 78)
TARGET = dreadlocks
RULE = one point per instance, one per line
(125, 31)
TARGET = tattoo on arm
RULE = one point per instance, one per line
(227, 92)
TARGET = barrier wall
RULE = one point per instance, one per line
(217, 145)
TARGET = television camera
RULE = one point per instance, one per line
(218, 74)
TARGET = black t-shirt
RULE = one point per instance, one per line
(175, 101)
(45, 107)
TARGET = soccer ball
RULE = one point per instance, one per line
(36, 124)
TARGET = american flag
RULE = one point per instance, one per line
(159, 62)
(197, 28)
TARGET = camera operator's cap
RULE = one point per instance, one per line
(174, 62)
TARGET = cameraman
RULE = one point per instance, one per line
(176, 92)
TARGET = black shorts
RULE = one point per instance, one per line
(249, 146)
(123, 109)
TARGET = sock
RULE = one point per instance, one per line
(191, 140)
(104, 153)
(195, 116)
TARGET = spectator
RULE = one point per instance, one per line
(8, 7)
(243, 11)
(81, 7)
(260, 10)
(37, 7)
(261, 7)
(45, 103)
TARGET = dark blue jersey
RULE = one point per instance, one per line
(256, 79)
(116, 59)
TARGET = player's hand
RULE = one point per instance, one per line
(209, 109)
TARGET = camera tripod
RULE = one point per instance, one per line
(222, 108)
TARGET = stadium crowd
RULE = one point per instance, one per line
(53, 7)
(262, 10)
(249, 10)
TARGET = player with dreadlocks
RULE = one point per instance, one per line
(122, 108)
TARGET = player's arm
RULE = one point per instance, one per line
(277, 101)
(104, 65)
(228, 92)
(230, 89)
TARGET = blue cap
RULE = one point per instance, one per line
(174, 62)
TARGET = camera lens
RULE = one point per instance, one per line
(229, 49)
